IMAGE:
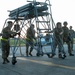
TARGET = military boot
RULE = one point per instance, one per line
(30, 53)
(4, 61)
(71, 54)
(51, 56)
(62, 56)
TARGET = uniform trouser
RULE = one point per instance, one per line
(59, 43)
(5, 49)
(69, 47)
(72, 44)
(29, 43)
(69, 43)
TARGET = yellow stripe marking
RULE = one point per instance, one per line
(48, 63)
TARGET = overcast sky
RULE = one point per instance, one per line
(62, 10)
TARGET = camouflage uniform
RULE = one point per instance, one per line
(29, 40)
(58, 41)
(6, 34)
(66, 38)
(71, 31)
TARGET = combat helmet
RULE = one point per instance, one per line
(65, 23)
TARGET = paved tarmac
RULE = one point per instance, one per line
(38, 65)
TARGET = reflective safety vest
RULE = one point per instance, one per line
(27, 39)
(4, 39)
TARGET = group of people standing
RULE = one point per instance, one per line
(62, 34)
(7, 34)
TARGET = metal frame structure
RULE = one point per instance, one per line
(38, 13)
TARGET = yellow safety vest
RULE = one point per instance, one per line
(4, 39)
(27, 39)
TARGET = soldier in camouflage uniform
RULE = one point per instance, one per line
(29, 40)
(58, 41)
(6, 34)
(72, 32)
(66, 38)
